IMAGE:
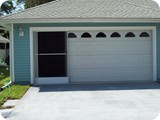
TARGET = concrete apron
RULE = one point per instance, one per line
(9, 104)
(124, 101)
(1, 117)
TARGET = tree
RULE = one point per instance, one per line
(4, 33)
(32, 3)
(11, 6)
(7, 7)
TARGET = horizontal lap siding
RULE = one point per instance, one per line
(22, 45)
(21, 55)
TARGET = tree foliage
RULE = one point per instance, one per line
(32, 3)
(4, 33)
(7, 7)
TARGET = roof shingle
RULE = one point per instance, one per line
(89, 9)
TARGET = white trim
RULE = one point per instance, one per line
(55, 80)
(97, 20)
(31, 57)
(154, 47)
(46, 29)
(12, 73)
(68, 59)
(35, 56)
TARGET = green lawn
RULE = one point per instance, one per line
(4, 75)
(17, 91)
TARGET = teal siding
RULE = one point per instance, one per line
(22, 52)
(21, 55)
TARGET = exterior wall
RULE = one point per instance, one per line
(22, 44)
(2, 54)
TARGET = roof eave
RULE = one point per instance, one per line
(144, 20)
(4, 40)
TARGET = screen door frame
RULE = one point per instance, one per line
(49, 80)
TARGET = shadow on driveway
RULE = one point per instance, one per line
(99, 87)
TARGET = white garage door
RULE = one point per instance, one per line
(106, 56)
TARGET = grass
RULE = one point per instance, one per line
(17, 91)
(4, 75)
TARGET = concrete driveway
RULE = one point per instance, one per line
(127, 101)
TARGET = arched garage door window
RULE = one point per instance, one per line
(86, 35)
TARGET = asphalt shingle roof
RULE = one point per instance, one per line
(89, 9)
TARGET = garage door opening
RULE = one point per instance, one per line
(87, 55)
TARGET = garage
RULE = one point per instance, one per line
(85, 41)
(110, 56)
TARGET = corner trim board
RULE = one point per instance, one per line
(12, 71)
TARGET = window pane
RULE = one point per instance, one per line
(7, 45)
(71, 35)
(100, 35)
(144, 34)
(130, 34)
(115, 34)
(2, 45)
(86, 35)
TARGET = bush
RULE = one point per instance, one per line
(3, 63)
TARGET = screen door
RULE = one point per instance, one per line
(52, 57)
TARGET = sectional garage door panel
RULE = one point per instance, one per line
(110, 58)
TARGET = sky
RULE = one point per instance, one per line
(1, 1)
(158, 1)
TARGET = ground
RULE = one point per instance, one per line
(17, 91)
(127, 101)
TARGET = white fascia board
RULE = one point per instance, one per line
(78, 20)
